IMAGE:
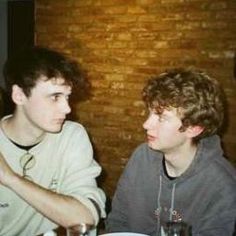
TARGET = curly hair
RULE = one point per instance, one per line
(199, 99)
(28, 65)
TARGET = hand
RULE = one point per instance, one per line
(6, 173)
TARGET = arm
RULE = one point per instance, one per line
(117, 219)
(121, 215)
(63, 210)
(71, 204)
(129, 200)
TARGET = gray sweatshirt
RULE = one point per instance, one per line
(204, 196)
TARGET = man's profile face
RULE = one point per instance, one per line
(47, 106)
(163, 131)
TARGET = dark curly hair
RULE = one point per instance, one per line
(199, 99)
(28, 65)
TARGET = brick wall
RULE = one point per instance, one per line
(120, 44)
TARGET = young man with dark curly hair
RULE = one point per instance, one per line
(180, 173)
(47, 171)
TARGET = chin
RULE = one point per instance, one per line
(54, 130)
(151, 145)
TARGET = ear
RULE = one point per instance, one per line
(193, 131)
(17, 95)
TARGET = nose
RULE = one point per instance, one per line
(66, 109)
(146, 123)
(150, 122)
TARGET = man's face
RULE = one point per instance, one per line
(47, 106)
(163, 131)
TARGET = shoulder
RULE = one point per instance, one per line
(224, 170)
(73, 128)
(222, 173)
(212, 159)
(143, 153)
(143, 160)
(73, 134)
(72, 125)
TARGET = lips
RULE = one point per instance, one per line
(151, 138)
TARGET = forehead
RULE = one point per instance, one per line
(169, 112)
(54, 84)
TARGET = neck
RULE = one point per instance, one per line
(20, 132)
(178, 162)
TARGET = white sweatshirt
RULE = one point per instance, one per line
(64, 164)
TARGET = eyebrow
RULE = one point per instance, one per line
(164, 116)
(59, 93)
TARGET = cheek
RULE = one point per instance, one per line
(38, 109)
(41, 105)
(170, 131)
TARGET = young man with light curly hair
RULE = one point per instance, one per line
(180, 174)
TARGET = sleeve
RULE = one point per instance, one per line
(118, 218)
(80, 176)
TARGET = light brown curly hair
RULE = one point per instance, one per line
(199, 99)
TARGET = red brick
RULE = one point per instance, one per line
(121, 44)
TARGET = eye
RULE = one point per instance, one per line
(162, 118)
(55, 97)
